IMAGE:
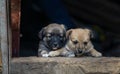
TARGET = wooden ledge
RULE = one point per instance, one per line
(60, 65)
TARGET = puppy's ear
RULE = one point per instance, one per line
(63, 26)
(41, 33)
(90, 32)
(68, 33)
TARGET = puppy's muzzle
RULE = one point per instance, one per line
(55, 44)
(79, 52)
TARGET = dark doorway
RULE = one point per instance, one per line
(32, 20)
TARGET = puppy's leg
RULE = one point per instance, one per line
(42, 51)
(55, 53)
(70, 54)
(61, 52)
(67, 53)
(95, 53)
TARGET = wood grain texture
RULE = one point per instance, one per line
(15, 25)
(61, 65)
(4, 35)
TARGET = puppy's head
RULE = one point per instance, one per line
(79, 39)
(53, 35)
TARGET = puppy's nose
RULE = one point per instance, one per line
(80, 51)
(55, 44)
(85, 43)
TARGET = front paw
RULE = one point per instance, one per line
(70, 54)
(53, 54)
(97, 54)
(45, 55)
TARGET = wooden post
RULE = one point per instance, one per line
(15, 26)
(4, 36)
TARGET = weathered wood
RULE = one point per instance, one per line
(9, 41)
(15, 25)
(0, 61)
(59, 65)
(3, 35)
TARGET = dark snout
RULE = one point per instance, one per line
(55, 43)
(55, 46)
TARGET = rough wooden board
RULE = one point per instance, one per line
(3, 35)
(58, 65)
(15, 26)
(0, 62)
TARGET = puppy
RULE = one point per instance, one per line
(78, 44)
(52, 38)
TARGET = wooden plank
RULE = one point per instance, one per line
(63, 65)
(9, 37)
(3, 35)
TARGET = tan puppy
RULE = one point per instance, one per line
(78, 44)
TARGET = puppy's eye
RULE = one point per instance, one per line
(61, 36)
(75, 42)
(48, 36)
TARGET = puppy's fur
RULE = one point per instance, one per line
(52, 37)
(78, 43)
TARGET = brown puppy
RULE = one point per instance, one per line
(78, 44)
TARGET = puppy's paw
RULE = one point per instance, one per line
(53, 54)
(45, 55)
(97, 54)
(70, 54)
